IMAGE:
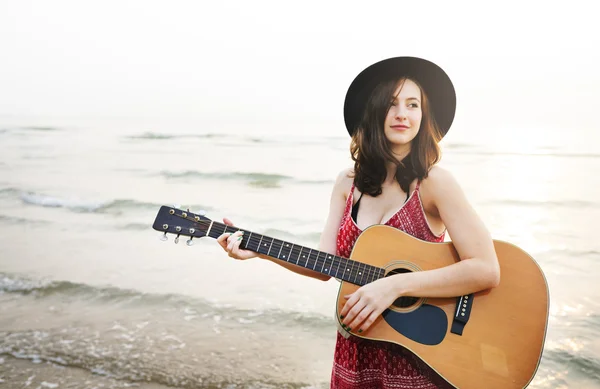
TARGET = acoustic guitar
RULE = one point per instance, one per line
(492, 339)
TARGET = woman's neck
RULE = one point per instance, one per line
(400, 153)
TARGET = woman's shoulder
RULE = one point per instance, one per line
(437, 178)
(344, 181)
(439, 183)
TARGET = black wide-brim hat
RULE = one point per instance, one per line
(433, 80)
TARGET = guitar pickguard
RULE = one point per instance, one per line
(426, 325)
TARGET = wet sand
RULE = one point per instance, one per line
(20, 373)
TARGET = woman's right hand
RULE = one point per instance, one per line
(231, 243)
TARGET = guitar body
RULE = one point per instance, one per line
(501, 343)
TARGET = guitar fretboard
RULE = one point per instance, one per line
(345, 269)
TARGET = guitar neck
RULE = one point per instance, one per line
(345, 269)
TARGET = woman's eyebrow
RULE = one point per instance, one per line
(409, 98)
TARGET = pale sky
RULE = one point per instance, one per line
(530, 62)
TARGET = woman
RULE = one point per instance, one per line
(396, 112)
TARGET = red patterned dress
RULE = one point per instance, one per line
(365, 364)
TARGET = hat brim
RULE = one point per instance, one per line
(434, 81)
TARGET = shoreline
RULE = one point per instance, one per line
(24, 373)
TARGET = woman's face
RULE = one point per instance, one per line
(403, 120)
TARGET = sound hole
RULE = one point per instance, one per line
(403, 302)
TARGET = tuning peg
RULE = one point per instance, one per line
(189, 241)
(177, 239)
(163, 237)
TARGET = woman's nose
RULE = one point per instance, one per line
(400, 112)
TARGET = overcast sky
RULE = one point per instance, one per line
(250, 60)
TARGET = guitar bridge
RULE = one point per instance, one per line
(462, 313)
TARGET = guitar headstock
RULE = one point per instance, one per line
(171, 220)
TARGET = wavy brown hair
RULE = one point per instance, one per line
(371, 151)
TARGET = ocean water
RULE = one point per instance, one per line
(86, 285)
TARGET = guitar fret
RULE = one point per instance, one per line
(342, 265)
(325, 266)
(218, 229)
(367, 274)
(337, 269)
(316, 259)
(356, 272)
(289, 253)
(362, 274)
(332, 265)
(270, 246)
(259, 242)
(346, 266)
(280, 250)
(248, 239)
(309, 254)
(349, 271)
(308, 258)
(374, 276)
(344, 269)
(352, 275)
(322, 266)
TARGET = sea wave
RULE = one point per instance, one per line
(43, 288)
(262, 180)
(580, 361)
(545, 204)
(9, 191)
(117, 206)
(160, 136)
(483, 151)
(241, 140)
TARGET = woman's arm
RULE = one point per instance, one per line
(477, 270)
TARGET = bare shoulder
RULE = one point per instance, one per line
(438, 178)
(440, 186)
(344, 181)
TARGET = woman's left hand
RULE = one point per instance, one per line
(367, 303)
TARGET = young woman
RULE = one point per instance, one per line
(396, 112)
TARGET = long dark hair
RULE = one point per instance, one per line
(371, 151)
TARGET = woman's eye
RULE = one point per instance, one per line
(414, 105)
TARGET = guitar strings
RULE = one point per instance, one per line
(370, 272)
